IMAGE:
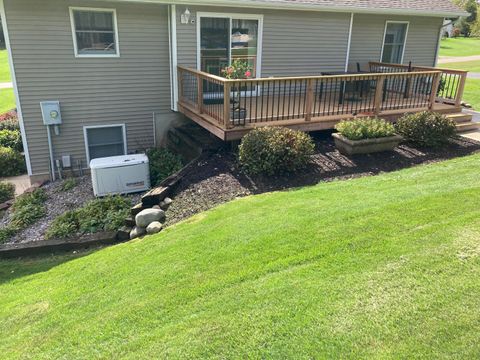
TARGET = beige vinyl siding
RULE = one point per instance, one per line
(294, 42)
(368, 32)
(92, 91)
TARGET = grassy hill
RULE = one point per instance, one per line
(386, 266)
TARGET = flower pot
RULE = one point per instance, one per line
(367, 146)
(238, 115)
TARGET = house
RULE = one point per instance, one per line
(124, 71)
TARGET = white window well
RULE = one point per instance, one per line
(105, 141)
(394, 41)
(95, 32)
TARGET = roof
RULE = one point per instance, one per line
(440, 8)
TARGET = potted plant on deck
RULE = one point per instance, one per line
(239, 69)
(367, 135)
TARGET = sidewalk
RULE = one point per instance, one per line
(455, 59)
(6, 85)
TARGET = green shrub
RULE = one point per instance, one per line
(107, 214)
(426, 128)
(11, 139)
(68, 184)
(9, 122)
(7, 191)
(163, 163)
(12, 163)
(368, 128)
(274, 150)
(28, 208)
(6, 233)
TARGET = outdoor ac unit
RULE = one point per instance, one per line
(120, 174)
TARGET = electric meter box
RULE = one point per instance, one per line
(51, 112)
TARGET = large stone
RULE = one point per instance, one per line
(137, 232)
(154, 227)
(165, 204)
(147, 216)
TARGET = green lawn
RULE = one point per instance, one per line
(472, 66)
(472, 88)
(460, 47)
(7, 100)
(378, 267)
(4, 67)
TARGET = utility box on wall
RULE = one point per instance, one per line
(51, 112)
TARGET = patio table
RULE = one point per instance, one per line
(362, 83)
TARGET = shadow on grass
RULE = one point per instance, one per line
(15, 268)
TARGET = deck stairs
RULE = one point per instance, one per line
(464, 122)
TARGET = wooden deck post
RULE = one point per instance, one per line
(199, 93)
(379, 94)
(226, 105)
(309, 100)
(180, 83)
(433, 94)
(461, 89)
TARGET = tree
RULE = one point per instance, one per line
(467, 24)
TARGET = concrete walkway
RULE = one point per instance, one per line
(474, 135)
(21, 183)
(455, 59)
(6, 85)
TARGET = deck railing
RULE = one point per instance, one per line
(231, 103)
(451, 86)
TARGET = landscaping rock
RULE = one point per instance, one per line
(156, 207)
(124, 233)
(147, 216)
(165, 204)
(137, 232)
(154, 227)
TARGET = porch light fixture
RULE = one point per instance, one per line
(185, 17)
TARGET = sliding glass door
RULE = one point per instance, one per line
(223, 39)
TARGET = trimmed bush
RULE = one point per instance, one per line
(163, 163)
(368, 128)
(426, 129)
(275, 150)
(12, 163)
(7, 191)
(11, 139)
(9, 121)
(106, 214)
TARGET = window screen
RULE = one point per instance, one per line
(105, 141)
(95, 32)
(395, 35)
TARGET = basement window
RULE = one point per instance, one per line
(95, 32)
(104, 141)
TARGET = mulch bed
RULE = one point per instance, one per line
(217, 179)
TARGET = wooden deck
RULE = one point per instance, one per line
(231, 108)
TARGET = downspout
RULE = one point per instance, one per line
(173, 55)
(349, 43)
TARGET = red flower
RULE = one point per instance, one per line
(248, 74)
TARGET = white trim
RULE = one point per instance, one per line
(71, 9)
(278, 5)
(85, 137)
(404, 40)
(173, 55)
(231, 16)
(15, 87)
(349, 43)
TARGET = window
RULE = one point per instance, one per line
(103, 141)
(94, 32)
(394, 42)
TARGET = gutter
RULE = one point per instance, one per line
(279, 5)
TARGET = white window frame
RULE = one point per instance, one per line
(115, 29)
(85, 137)
(232, 16)
(404, 41)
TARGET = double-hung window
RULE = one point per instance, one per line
(94, 32)
(104, 141)
(394, 42)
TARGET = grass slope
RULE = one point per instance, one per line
(4, 67)
(472, 87)
(460, 47)
(386, 266)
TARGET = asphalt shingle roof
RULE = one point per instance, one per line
(443, 7)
